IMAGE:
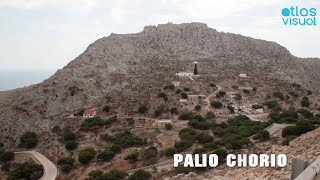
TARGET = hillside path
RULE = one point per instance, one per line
(50, 170)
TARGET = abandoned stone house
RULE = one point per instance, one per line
(196, 97)
(176, 83)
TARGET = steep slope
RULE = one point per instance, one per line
(135, 62)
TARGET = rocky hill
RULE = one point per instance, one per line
(118, 65)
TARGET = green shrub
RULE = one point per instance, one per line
(133, 157)
(106, 137)
(170, 151)
(278, 94)
(105, 155)
(309, 92)
(140, 175)
(86, 155)
(150, 156)
(127, 139)
(115, 148)
(257, 106)
(71, 145)
(184, 95)
(95, 174)
(171, 87)
(221, 153)
(204, 138)
(305, 102)
(111, 175)
(203, 125)
(290, 130)
(294, 94)
(6, 156)
(162, 95)
(182, 145)
(302, 126)
(69, 136)
(199, 150)
(27, 171)
(212, 85)
(231, 109)
(65, 163)
(65, 168)
(246, 91)
(286, 140)
(222, 93)
(237, 97)
(210, 145)
(263, 135)
(65, 160)
(178, 91)
(168, 126)
(80, 112)
(296, 85)
(157, 112)
(91, 122)
(186, 89)
(210, 115)
(174, 111)
(305, 113)
(197, 108)
(234, 87)
(271, 104)
(185, 115)
(115, 175)
(143, 109)
(254, 89)
(106, 108)
(111, 120)
(216, 104)
(29, 140)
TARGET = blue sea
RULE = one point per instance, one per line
(20, 79)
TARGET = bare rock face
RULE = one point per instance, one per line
(134, 61)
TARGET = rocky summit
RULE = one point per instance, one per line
(128, 65)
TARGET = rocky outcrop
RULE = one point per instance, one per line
(305, 147)
(135, 61)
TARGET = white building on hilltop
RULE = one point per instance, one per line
(184, 73)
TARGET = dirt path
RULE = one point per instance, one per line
(208, 97)
(50, 170)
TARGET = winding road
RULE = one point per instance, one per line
(208, 97)
(50, 170)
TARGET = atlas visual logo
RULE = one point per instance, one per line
(296, 16)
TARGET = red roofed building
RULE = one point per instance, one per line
(190, 108)
(216, 112)
(89, 113)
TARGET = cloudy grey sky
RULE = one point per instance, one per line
(47, 34)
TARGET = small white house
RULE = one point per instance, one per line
(89, 113)
(183, 100)
(243, 76)
(216, 112)
(259, 110)
(176, 83)
(184, 73)
(162, 123)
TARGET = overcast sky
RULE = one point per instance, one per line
(47, 34)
